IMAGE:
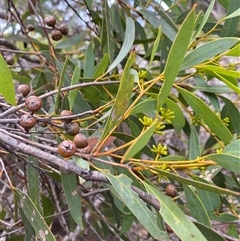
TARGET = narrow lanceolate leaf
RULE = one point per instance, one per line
(69, 182)
(127, 43)
(228, 161)
(107, 38)
(194, 145)
(233, 148)
(34, 217)
(221, 70)
(198, 184)
(6, 83)
(204, 19)
(75, 80)
(33, 182)
(174, 217)
(207, 51)
(101, 67)
(140, 142)
(168, 28)
(89, 62)
(29, 230)
(233, 114)
(175, 57)
(209, 233)
(155, 45)
(228, 83)
(122, 185)
(123, 97)
(230, 24)
(198, 211)
(179, 121)
(234, 14)
(208, 116)
(210, 200)
(62, 70)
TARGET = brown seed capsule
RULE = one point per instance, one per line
(72, 129)
(171, 190)
(65, 113)
(30, 6)
(33, 103)
(27, 121)
(23, 89)
(63, 28)
(56, 35)
(80, 141)
(50, 21)
(67, 148)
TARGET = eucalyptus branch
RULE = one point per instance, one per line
(13, 109)
(67, 165)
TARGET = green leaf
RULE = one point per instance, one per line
(196, 206)
(206, 51)
(204, 20)
(211, 96)
(179, 121)
(232, 230)
(48, 209)
(228, 161)
(6, 83)
(234, 51)
(123, 97)
(89, 62)
(63, 72)
(213, 89)
(197, 184)
(74, 81)
(69, 182)
(33, 181)
(83, 164)
(209, 117)
(101, 67)
(175, 57)
(107, 38)
(127, 43)
(140, 141)
(168, 28)
(34, 217)
(126, 224)
(230, 25)
(144, 106)
(234, 14)
(174, 217)
(229, 84)
(194, 144)
(233, 114)
(122, 185)
(29, 231)
(209, 233)
(155, 45)
(233, 148)
(221, 71)
(210, 200)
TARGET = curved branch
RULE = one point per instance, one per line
(13, 109)
(68, 165)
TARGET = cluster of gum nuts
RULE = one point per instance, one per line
(57, 32)
(33, 103)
